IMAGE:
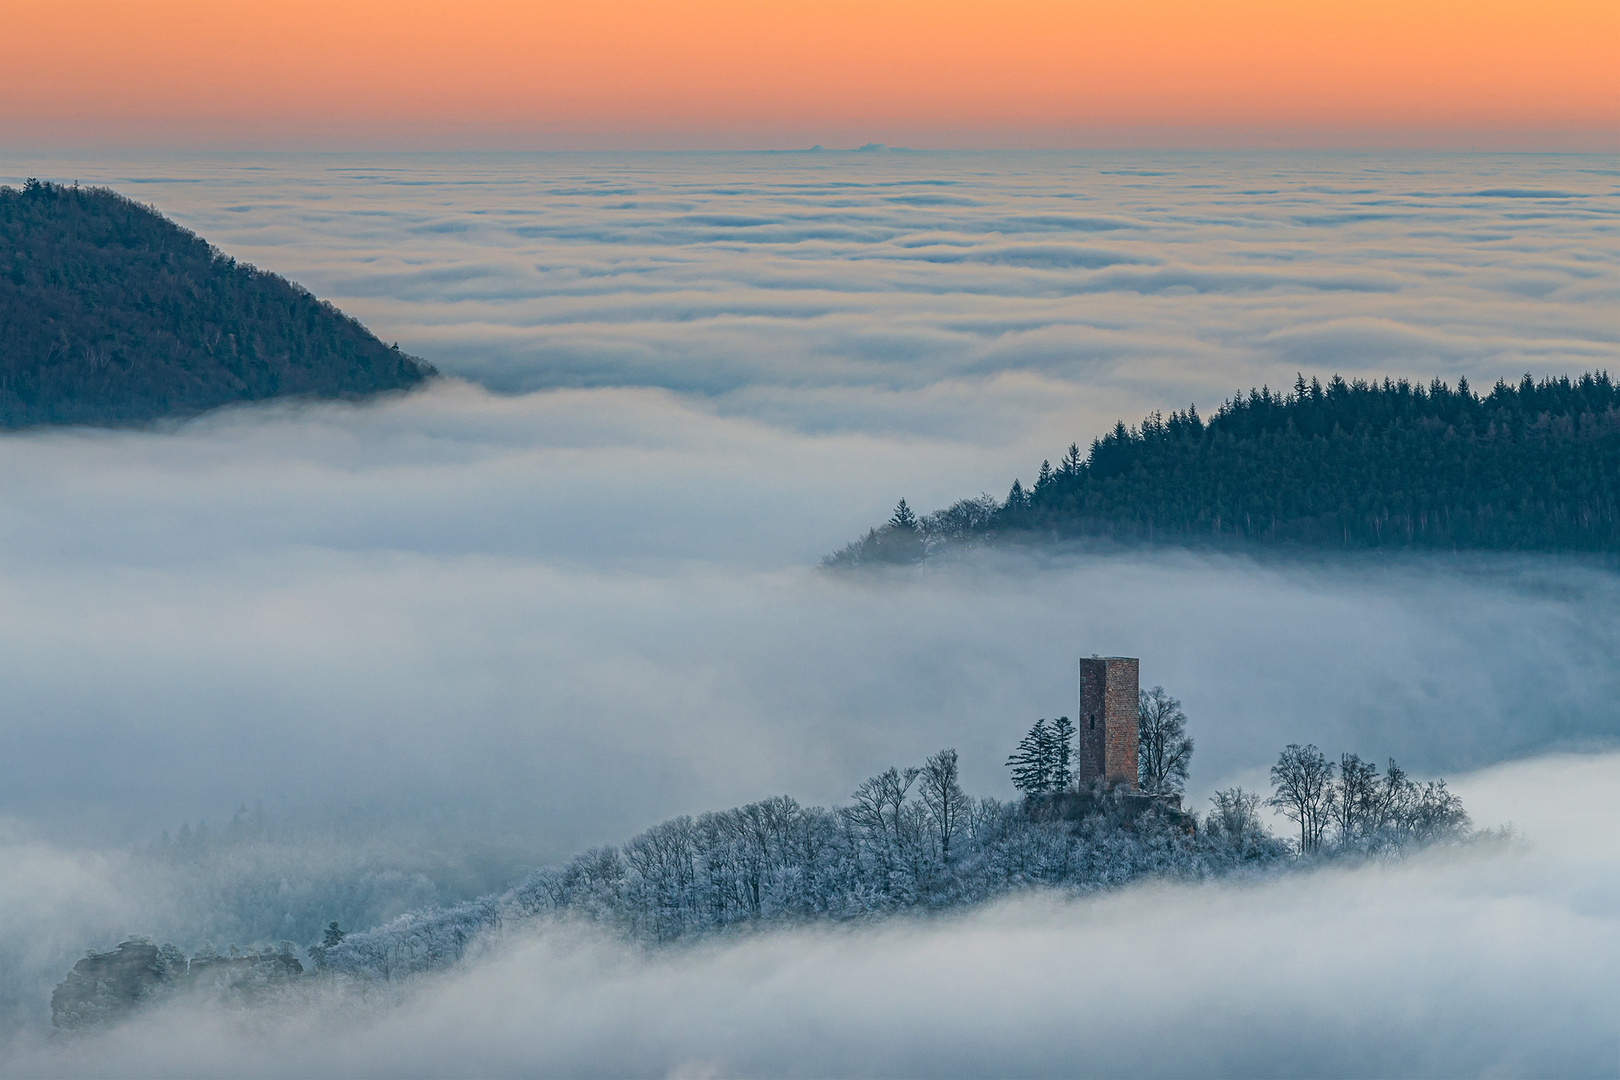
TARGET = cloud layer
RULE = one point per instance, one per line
(579, 612)
(570, 592)
(1141, 281)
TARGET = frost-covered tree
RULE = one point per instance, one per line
(880, 813)
(1235, 814)
(909, 840)
(945, 801)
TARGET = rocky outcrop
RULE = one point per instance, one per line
(104, 987)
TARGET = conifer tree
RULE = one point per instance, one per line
(1031, 763)
(902, 539)
(1061, 753)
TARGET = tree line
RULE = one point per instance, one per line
(912, 839)
(1347, 806)
(1531, 466)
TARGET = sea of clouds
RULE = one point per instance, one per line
(571, 590)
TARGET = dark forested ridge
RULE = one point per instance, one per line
(1528, 467)
(112, 314)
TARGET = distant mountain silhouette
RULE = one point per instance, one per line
(112, 314)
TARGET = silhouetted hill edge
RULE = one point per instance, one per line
(1532, 466)
(113, 315)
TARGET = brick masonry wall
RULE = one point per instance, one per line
(1108, 720)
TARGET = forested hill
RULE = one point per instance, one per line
(112, 314)
(1533, 466)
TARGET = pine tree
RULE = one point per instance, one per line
(1062, 753)
(902, 540)
(1031, 763)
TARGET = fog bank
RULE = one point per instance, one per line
(1485, 962)
(509, 616)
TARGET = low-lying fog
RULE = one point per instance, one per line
(1496, 962)
(438, 640)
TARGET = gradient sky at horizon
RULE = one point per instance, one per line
(700, 74)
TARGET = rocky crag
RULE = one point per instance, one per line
(107, 986)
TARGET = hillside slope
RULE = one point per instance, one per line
(1528, 467)
(112, 314)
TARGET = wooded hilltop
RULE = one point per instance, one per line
(911, 841)
(1528, 467)
(111, 314)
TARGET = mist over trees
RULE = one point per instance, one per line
(112, 314)
(912, 840)
(1532, 466)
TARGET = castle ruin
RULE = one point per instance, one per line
(1109, 711)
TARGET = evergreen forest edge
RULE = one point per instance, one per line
(1531, 466)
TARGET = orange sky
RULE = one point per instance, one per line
(701, 73)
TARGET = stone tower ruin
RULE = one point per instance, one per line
(1109, 710)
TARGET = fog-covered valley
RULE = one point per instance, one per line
(1488, 961)
(434, 642)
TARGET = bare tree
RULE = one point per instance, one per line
(944, 799)
(1163, 750)
(1436, 814)
(1390, 800)
(1355, 804)
(1304, 792)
